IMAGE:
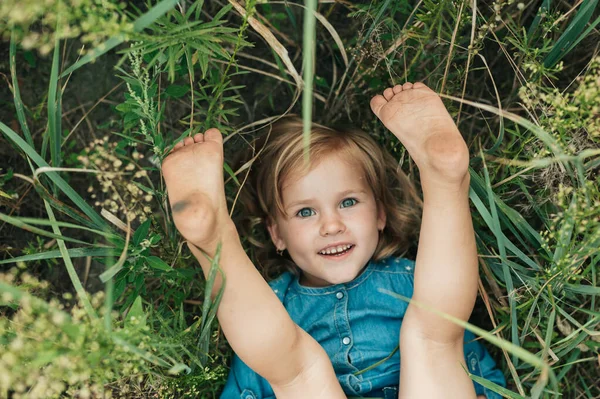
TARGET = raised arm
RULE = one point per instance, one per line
(254, 321)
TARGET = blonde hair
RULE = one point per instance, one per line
(283, 154)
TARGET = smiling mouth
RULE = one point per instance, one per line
(337, 251)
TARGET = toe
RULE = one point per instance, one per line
(407, 86)
(388, 94)
(198, 138)
(188, 141)
(418, 85)
(376, 103)
(397, 89)
(213, 134)
(178, 146)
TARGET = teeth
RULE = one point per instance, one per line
(335, 250)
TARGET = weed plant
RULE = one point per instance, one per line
(99, 296)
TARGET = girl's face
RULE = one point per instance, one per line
(332, 224)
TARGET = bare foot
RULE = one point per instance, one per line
(193, 173)
(416, 115)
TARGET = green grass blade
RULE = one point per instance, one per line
(139, 25)
(583, 289)
(520, 223)
(109, 300)
(45, 222)
(541, 134)
(501, 239)
(157, 361)
(515, 350)
(564, 44)
(83, 296)
(73, 253)
(18, 223)
(549, 331)
(584, 34)
(488, 219)
(566, 233)
(308, 62)
(507, 393)
(17, 93)
(53, 134)
(62, 207)
(210, 307)
(59, 181)
(113, 270)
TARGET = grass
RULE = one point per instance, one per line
(521, 78)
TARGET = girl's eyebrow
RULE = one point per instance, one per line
(309, 200)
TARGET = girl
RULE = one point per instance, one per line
(342, 225)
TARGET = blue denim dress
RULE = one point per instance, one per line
(358, 327)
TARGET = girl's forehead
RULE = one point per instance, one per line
(334, 163)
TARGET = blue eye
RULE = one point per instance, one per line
(305, 212)
(348, 202)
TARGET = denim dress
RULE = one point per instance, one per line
(359, 328)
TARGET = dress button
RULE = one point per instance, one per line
(473, 365)
(339, 295)
(346, 340)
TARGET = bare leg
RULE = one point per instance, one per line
(446, 265)
(254, 321)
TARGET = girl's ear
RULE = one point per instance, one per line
(275, 235)
(381, 216)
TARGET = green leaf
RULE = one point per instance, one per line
(141, 233)
(231, 173)
(157, 263)
(177, 91)
(136, 312)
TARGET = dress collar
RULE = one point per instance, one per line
(330, 289)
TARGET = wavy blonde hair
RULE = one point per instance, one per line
(282, 153)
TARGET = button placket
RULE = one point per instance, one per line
(343, 324)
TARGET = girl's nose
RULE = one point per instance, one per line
(332, 225)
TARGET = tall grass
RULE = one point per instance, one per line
(521, 79)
